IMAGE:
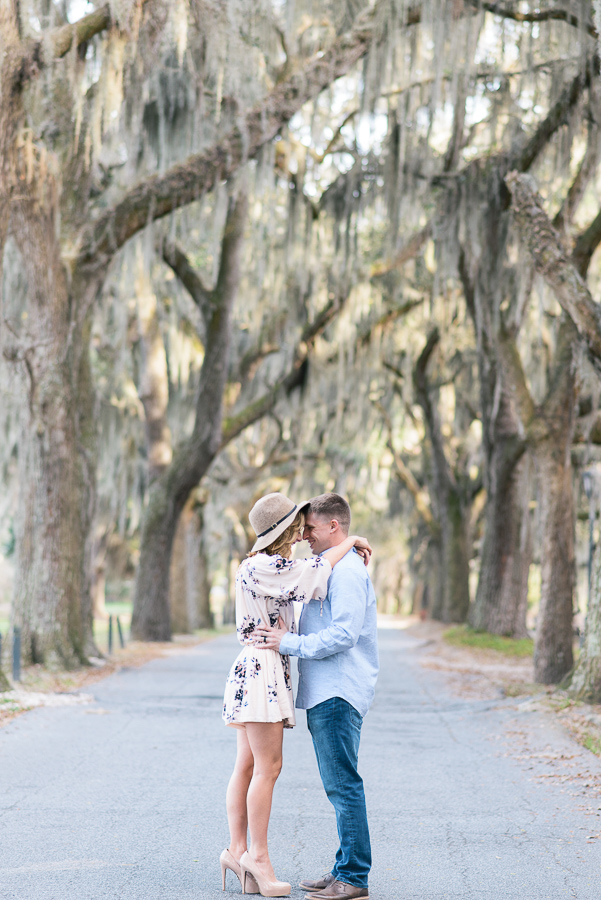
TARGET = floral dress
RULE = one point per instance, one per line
(258, 687)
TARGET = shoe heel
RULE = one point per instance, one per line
(223, 871)
(243, 874)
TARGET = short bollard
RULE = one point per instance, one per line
(120, 630)
(110, 635)
(16, 654)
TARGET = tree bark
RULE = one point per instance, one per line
(154, 382)
(552, 261)
(54, 504)
(553, 654)
(10, 113)
(549, 430)
(169, 493)
(199, 578)
(500, 605)
(484, 274)
(190, 584)
(178, 577)
(553, 659)
(586, 680)
(450, 502)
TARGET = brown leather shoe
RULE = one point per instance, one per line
(318, 885)
(338, 890)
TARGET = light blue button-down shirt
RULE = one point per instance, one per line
(338, 649)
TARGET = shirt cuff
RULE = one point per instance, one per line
(289, 644)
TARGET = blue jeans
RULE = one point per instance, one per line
(335, 727)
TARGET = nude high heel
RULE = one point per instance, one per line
(229, 862)
(248, 869)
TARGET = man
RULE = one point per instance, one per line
(337, 667)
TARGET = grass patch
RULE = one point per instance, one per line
(463, 636)
(592, 743)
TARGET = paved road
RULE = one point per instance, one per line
(123, 799)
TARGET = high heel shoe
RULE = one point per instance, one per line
(229, 862)
(248, 868)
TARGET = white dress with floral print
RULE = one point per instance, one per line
(258, 687)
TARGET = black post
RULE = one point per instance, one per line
(16, 654)
(121, 641)
(110, 635)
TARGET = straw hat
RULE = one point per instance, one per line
(271, 516)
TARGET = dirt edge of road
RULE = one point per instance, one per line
(490, 675)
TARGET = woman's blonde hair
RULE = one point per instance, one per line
(283, 544)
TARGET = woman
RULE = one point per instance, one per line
(258, 695)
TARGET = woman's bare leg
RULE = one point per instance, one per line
(235, 798)
(265, 741)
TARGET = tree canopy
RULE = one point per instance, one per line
(340, 246)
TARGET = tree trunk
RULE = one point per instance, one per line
(54, 506)
(178, 576)
(169, 493)
(553, 654)
(566, 277)
(87, 444)
(586, 680)
(456, 555)
(190, 585)
(154, 381)
(10, 112)
(501, 598)
(450, 502)
(199, 590)
(502, 593)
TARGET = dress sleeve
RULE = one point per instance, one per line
(293, 579)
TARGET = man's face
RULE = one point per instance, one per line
(319, 533)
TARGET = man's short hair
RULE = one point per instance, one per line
(332, 506)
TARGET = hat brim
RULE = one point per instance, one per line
(271, 536)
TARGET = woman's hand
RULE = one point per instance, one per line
(363, 548)
(268, 638)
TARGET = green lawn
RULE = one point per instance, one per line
(463, 636)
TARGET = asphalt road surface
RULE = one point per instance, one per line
(123, 799)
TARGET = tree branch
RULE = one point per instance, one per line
(391, 315)
(586, 244)
(235, 424)
(546, 15)
(408, 251)
(408, 478)
(54, 44)
(443, 474)
(230, 243)
(175, 257)
(62, 39)
(515, 376)
(585, 172)
(557, 116)
(552, 261)
(213, 374)
(159, 195)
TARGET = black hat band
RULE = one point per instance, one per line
(271, 527)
